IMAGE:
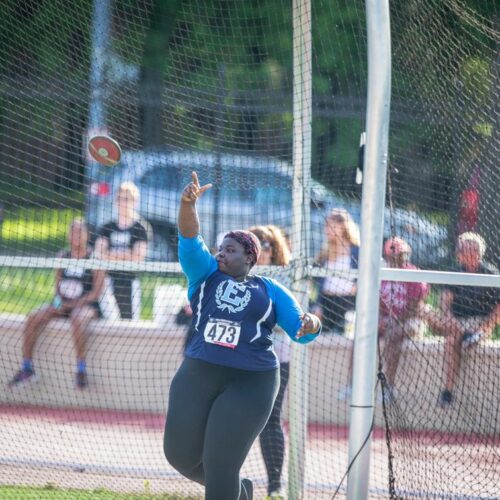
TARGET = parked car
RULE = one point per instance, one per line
(247, 190)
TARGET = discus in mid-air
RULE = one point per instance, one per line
(105, 150)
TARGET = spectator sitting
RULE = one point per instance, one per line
(400, 304)
(467, 313)
(77, 294)
(124, 240)
(337, 294)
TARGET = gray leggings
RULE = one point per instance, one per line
(215, 413)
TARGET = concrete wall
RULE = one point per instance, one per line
(131, 365)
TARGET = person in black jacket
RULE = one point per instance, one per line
(124, 240)
(467, 313)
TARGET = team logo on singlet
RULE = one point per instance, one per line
(232, 296)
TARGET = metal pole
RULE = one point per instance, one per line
(300, 237)
(219, 139)
(101, 25)
(372, 219)
(100, 36)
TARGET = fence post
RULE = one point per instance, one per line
(372, 222)
(301, 196)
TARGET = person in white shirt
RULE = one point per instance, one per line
(337, 294)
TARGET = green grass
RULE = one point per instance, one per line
(52, 492)
(148, 284)
(30, 231)
(35, 231)
(16, 191)
(22, 290)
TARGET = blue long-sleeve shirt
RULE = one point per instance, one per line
(233, 321)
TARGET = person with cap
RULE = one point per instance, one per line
(467, 314)
(400, 306)
(222, 395)
(400, 303)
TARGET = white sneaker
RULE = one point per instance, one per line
(276, 495)
(344, 393)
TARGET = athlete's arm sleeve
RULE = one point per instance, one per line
(288, 311)
(196, 261)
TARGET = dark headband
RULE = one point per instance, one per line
(248, 241)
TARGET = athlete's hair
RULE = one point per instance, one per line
(273, 235)
(248, 240)
(130, 188)
(396, 246)
(476, 238)
(350, 234)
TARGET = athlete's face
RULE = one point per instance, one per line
(126, 202)
(334, 230)
(469, 255)
(233, 259)
(78, 235)
(397, 260)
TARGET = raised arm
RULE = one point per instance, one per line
(188, 221)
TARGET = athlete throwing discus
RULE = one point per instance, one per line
(223, 393)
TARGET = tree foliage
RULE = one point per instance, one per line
(238, 54)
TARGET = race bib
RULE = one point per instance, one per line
(222, 332)
(70, 289)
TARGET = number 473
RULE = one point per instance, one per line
(220, 331)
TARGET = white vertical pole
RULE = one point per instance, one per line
(372, 219)
(100, 40)
(300, 237)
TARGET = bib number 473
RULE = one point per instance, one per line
(222, 332)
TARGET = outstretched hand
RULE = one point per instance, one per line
(193, 190)
(310, 324)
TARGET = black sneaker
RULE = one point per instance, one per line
(23, 377)
(81, 380)
(445, 399)
(246, 489)
(471, 338)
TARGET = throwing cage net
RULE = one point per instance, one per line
(210, 86)
(444, 160)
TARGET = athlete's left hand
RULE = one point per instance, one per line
(310, 324)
